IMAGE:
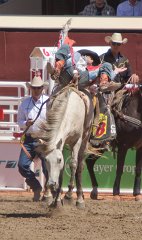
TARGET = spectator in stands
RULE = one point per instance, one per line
(3, 1)
(98, 8)
(115, 57)
(130, 8)
(31, 111)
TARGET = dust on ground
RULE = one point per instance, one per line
(23, 219)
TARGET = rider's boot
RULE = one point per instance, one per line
(55, 72)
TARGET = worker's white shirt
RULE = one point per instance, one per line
(29, 109)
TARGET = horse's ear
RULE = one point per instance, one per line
(59, 144)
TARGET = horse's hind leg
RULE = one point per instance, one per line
(137, 182)
(69, 193)
(90, 161)
(119, 171)
(78, 176)
(73, 167)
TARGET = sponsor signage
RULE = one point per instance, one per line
(105, 168)
(9, 175)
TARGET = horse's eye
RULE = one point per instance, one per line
(59, 160)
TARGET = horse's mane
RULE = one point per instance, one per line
(55, 113)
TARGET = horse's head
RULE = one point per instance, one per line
(55, 165)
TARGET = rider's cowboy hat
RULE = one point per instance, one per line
(36, 82)
(116, 37)
(94, 55)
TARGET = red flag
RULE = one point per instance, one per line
(1, 114)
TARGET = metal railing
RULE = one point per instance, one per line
(10, 106)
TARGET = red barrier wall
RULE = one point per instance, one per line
(15, 48)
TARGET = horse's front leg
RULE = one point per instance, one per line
(90, 161)
(137, 182)
(73, 166)
(47, 195)
(57, 195)
(122, 150)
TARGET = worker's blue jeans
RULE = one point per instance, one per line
(24, 164)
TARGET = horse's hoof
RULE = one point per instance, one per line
(59, 203)
(48, 200)
(68, 196)
(56, 204)
(80, 204)
(116, 198)
(93, 196)
(138, 197)
(68, 200)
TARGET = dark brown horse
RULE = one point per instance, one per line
(128, 119)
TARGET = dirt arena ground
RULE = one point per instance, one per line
(22, 219)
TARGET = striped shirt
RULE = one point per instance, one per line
(92, 10)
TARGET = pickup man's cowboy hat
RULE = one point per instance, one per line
(116, 37)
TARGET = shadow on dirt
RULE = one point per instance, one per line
(23, 215)
(18, 201)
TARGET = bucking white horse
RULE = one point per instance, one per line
(69, 120)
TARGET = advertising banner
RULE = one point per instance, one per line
(9, 175)
(105, 168)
